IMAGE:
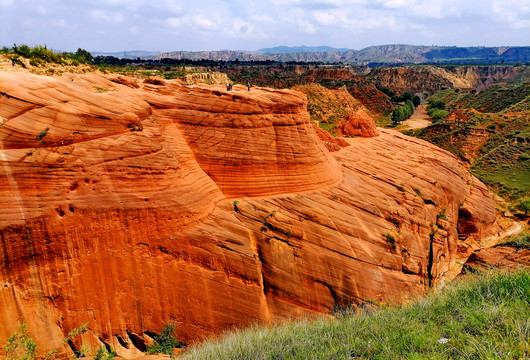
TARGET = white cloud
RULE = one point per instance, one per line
(262, 18)
(60, 23)
(397, 3)
(331, 18)
(514, 13)
(202, 22)
(193, 22)
(106, 16)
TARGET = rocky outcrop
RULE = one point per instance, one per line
(434, 78)
(358, 124)
(332, 143)
(372, 98)
(503, 257)
(128, 208)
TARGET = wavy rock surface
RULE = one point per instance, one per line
(504, 257)
(358, 124)
(128, 208)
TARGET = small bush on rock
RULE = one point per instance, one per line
(165, 342)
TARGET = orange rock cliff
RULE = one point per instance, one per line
(129, 206)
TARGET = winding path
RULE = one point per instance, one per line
(419, 120)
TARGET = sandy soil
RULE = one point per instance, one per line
(419, 120)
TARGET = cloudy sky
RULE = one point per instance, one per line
(165, 25)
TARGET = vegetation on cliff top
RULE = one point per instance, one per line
(41, 55)
(495, 124)
(482, 317)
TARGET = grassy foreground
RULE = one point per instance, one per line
(481, 317)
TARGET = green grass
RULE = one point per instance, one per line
(327, 127)
(496, 98)
(501, 163)
(483, 317)
(493, 99)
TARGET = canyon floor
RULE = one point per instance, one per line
(419, 120)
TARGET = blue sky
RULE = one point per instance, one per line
(165, 25)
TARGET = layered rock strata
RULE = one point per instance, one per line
(128, 206)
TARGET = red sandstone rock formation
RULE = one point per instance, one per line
(504, 257)
(129, 208)
(358, 124)
(331, 142)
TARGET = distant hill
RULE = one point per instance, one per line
(299, 49)
(128, 54)
(393, 54)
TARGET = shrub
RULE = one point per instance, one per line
(391, 240)
(524, 205)
(39, 54)
(21, 345)
(42, 134)
(397, 115)
(442, 215)
(410, 105)
(103, 354)
(22, 50)
(436, 104)
(16, 60)
(165, 342)
(439, 114)
(524, 157)
(34, 62)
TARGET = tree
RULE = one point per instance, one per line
(83, 56)
(411, 107)
(416, 100)
(398, 115)
(22, 50)
(407, 96)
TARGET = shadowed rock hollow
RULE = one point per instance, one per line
(128, 206)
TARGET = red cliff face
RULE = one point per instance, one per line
(128, 208)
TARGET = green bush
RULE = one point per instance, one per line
(398, 115)
(523, 205)
(165, 342)
(436, 104)
(21, 345)
(438, 114)
(39, 54)
(524, 157)
(103, 354)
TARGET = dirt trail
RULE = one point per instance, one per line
(419, 120)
